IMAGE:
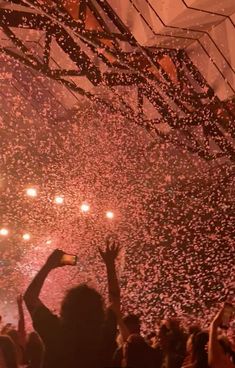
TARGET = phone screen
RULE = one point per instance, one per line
(69, 260)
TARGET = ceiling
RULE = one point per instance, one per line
(171, 61)
(128, 105)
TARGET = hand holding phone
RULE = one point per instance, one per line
(68, 260)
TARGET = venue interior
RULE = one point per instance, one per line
(117, 117)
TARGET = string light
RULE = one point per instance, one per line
(26, 236)
(59, 200)
(4, 232)
(31, 192)
(110, 215)
(85, 207)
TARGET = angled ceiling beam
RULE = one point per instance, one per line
(171, 98)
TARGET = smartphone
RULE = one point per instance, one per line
(69, 260)
(228, 313)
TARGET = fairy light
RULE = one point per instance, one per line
(85, 207)
(110, 215)
(31, 192)
(26, 236)
(59, 200)
(4, 232)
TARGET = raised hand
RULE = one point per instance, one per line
(54, 260)
(111, 251)
(226, 311)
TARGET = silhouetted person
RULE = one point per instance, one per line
(218, 355)
(82, 335)
(197, 350)
(34, 350)
(8, 356)
(137, 353)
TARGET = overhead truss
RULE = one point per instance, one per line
(104, 51)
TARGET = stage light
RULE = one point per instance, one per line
(26, 236)
(4, 232)
(31, 192)
(110, 215)
(59, 200)
(85, 207)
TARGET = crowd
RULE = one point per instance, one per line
(89, 335)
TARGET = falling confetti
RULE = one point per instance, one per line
(146, 155)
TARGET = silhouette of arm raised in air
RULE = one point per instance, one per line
(31, 296)
(216, 355)
(109, 257)
(21, 321)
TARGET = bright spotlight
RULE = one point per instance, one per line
(4, 232)
(26, 236)
(59, 200)
(85, 207)
(109, 214)
(31, 192)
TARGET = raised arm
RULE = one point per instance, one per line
(109, 257)
(216, 355)
(21, 321)
(31, 296)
